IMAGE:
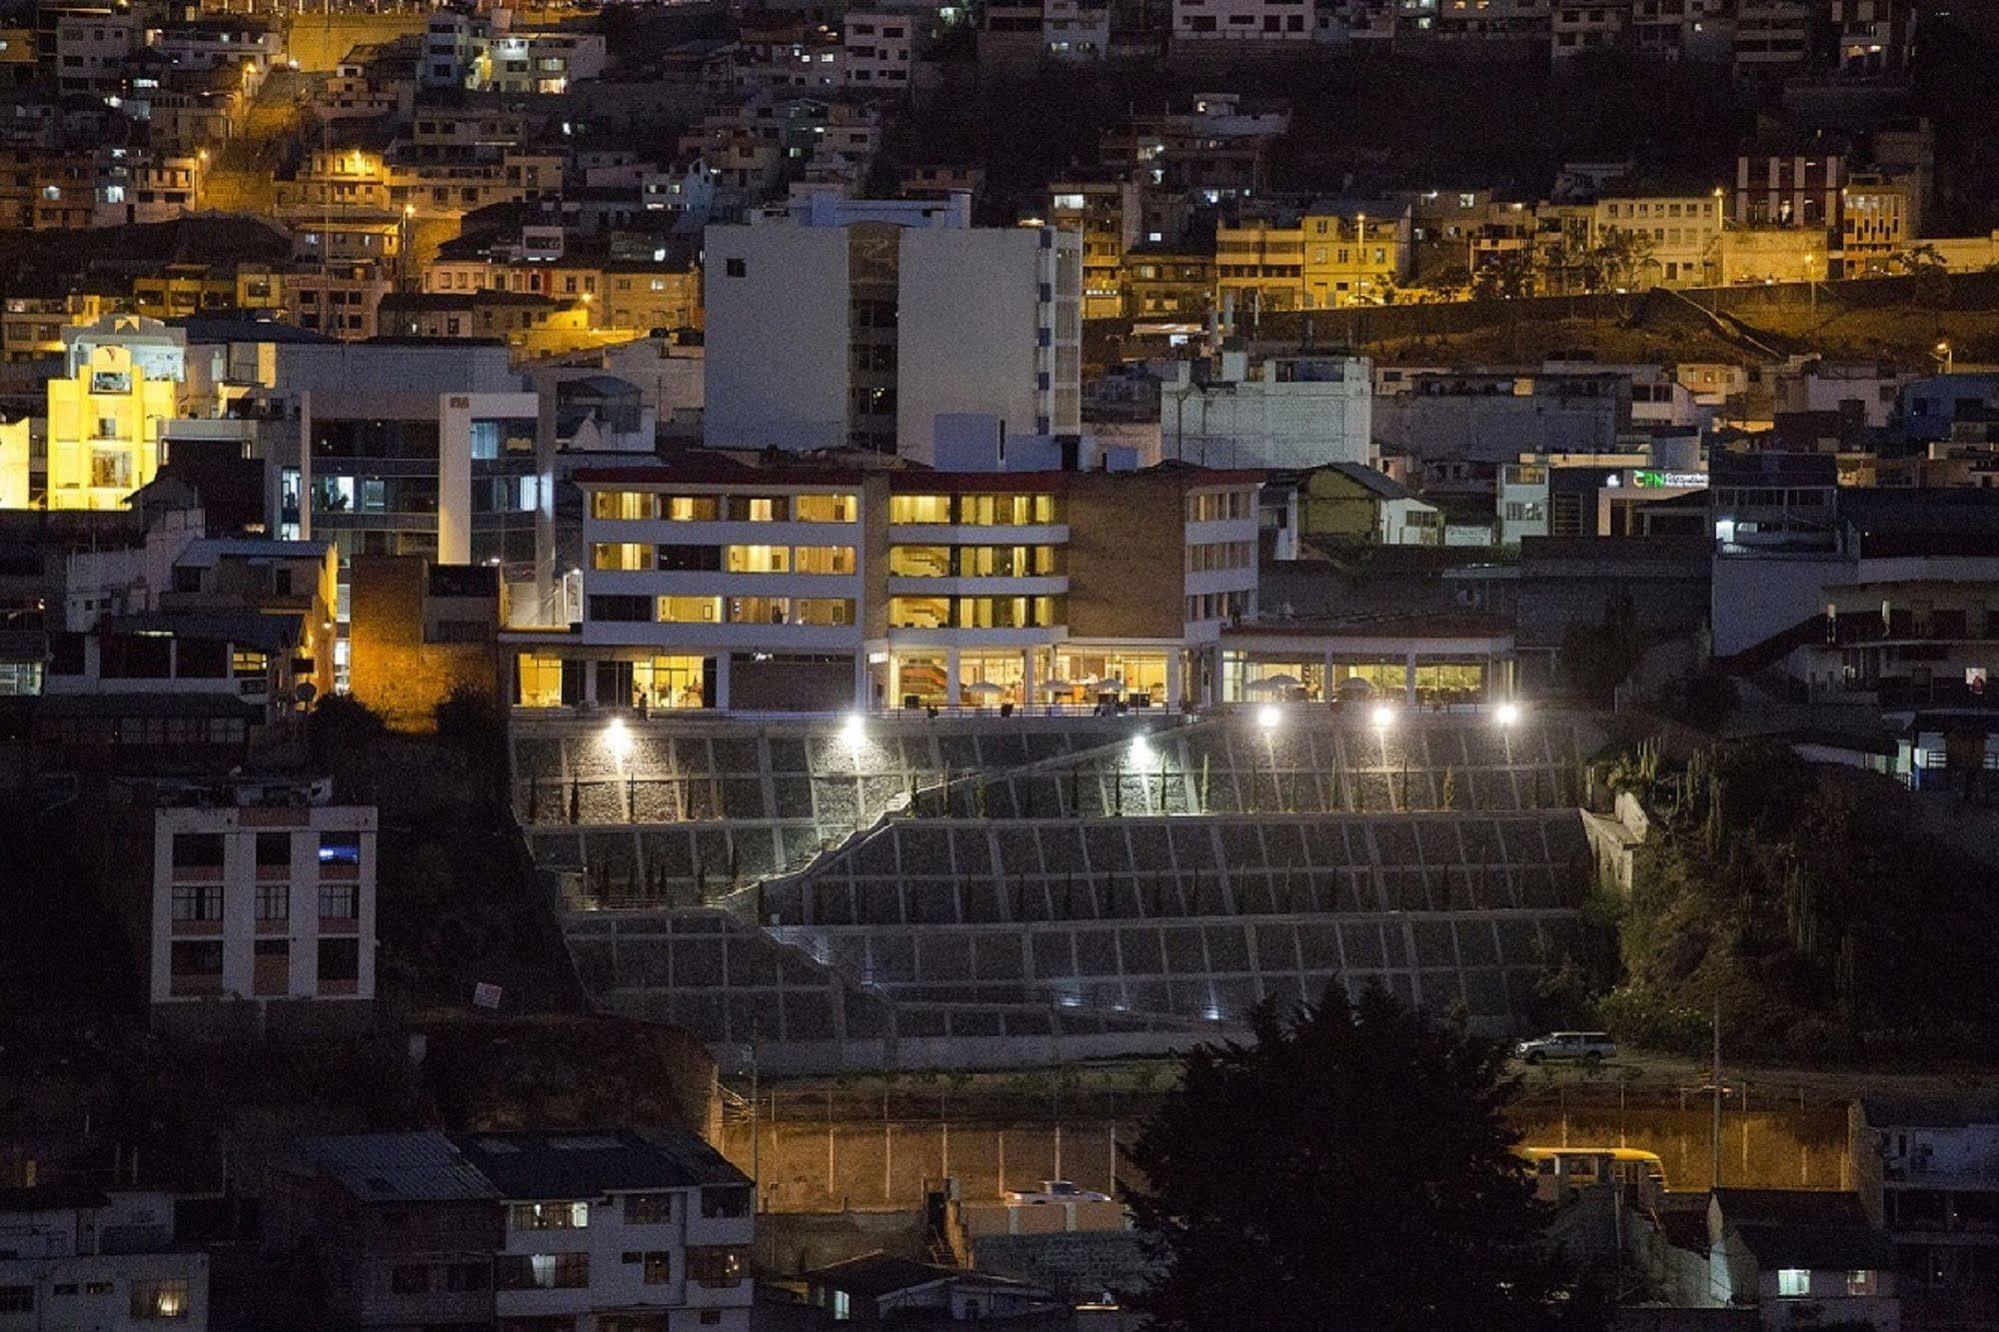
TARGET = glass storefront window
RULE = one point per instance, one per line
(1092, 674)
(986, 679)
(923, 678)
(1242, 678)
(668, 682)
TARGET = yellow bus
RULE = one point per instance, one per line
(1596, 1165)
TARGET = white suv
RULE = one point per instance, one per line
(1589, 1047)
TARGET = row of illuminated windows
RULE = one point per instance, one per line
(977, 612)
(203, 902)
(725, 610)
(1219, 505)
(975, 561)
(631, 556)
(1220, 555)
(975, 510)
(638, 505)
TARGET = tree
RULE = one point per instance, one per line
(1505, 276)
(1351, 1168)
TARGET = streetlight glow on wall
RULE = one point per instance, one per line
(618, 740)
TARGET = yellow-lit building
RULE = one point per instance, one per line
(1352, 259)
(123, 380)
(1259, 266)
(1106, 215)
(14, 464)
(1773, 254)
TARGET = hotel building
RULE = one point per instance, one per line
(809, 586)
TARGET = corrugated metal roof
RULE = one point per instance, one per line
(388, 1167)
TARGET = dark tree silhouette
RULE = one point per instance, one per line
(1351, 1168)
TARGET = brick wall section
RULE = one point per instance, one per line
(390, 666)
(1127, 555)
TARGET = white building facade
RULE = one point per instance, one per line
(264, 905)
(860, 322)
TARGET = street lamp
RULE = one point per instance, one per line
(1506, 714)
(1268, 716)
(854, 732)
(1383, 716)
(618, 740)
(1944, 354)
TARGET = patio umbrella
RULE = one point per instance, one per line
(986, 687)
(1279, 681)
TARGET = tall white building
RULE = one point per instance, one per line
(78, 1257)
(861, 322)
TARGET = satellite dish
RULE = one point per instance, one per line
(305, 691)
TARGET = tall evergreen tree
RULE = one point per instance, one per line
(1349, 1168)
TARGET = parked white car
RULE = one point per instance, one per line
(1055, 1191)
(1588, 1047)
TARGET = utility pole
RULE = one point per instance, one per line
(756, 1138)
(1714, 1078)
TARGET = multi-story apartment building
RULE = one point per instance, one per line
(1200, 21)
(1774, 39)
(1354, 255)
(1791, 182)
(1106, 214)
(583, 1231)
(91, 49)
(1875, 223)
(1325, 258)
(1580, 28)
(1259, 267)
(79, 1257)
(122, 379)
(1677, 234)
(254, 907)
(1213, 149)
(1873, 34)
(1927, 1171)
(31, 326)
(863, 322)
(408, 448)
(877, 46)
(775, 586)
(1169, 285)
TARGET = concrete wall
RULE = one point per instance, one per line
(390, 667)
(1754, 598)
(970, 310)
(774, 368)
(1122, 528)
